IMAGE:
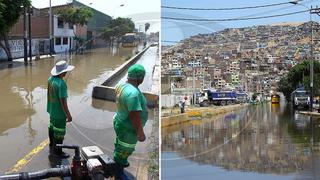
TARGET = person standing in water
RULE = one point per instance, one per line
(57, 106)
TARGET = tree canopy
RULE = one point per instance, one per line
(300, 75)
(75, 15)
(117, 28)
(10, 11)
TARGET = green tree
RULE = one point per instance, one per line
(254, 96)
(108, 33)
(300, 75)
(10, 11)
(75, 15)
(178, 79)
(117, 28)
(122, 26)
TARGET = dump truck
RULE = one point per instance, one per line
(222, 98)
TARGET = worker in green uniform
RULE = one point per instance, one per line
(130, 118)
(57, 106)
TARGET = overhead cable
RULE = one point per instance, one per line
(233, 19)
(229, 8)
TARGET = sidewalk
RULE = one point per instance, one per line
(19, 62)
(10, 64)
(173, 116)
(176, 110)
(314, 113)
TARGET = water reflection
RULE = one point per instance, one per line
(265, 139)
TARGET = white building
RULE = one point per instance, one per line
(63, 35)
(196, 63)
(271, 59)
(176, 63)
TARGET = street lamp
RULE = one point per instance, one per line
(311, 54)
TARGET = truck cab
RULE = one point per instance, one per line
(300, 98)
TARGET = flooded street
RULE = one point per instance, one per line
(23, 115)
(259, 142)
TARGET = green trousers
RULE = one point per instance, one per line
(124, 144)
(58, 126)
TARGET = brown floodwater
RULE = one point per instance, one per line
(23, 116)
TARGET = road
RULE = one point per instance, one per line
(24, 119)
(259, 142)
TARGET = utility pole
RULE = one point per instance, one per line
(50, 28)
(311, 68)
(193, 82)
(312, 11)
(25, 55)
(30, 39)
(203, 81)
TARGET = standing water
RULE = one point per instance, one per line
(260, 142)
(23, 94)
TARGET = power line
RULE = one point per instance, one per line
(251, 15)
(228, 8)
(234, 19)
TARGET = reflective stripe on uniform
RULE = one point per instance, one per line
(126, 144)
(59, 133)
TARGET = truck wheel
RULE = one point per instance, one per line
(229, 102)
(223, 103)
(205, 104)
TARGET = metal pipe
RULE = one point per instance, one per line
(75, 148)
(63, 171)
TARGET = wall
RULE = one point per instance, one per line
(108, 93)
(39, 46)
(39, 28)
(170, 100)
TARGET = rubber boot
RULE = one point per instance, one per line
(58, 152)
(120, 175)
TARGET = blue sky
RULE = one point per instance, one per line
(177, 30)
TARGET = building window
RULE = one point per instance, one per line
(58, 41)
(60, 23)
(65, 41)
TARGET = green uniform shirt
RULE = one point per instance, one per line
(57, 89)
(129, 98)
